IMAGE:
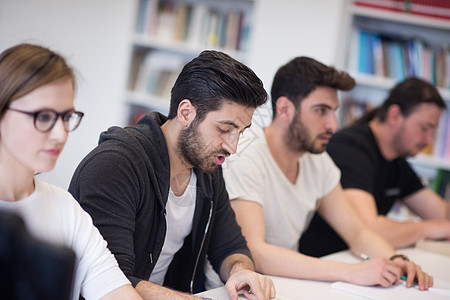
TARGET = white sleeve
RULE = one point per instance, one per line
(97, 272)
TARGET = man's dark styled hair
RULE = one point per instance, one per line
(212, 78)
(407, 94)
(300, 76)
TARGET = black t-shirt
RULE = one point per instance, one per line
(355, 151)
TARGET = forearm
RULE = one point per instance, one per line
(238, 272)
(149, 290)
(277, 261)
(404, 234)
(371, 243)
(447, 214)
(234, 263)
(124, 292)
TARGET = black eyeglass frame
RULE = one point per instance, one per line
(63, 114)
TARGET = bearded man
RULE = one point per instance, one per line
(156, 192)
(281, 175)
(372, 156)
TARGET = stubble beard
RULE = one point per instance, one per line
(400, 150)
(299, 139)
(194, 152)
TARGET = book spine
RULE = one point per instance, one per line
(431, 8)
(392, 5)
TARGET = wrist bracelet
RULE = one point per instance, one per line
(402, 256)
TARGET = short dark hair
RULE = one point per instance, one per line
(408, 94)
(212, 78)
(300, 76)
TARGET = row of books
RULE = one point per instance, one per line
(136, 113)
(196, 24)
(157, 73)
(385, 56)
(429, 8)
(441, 145)
(352, 110)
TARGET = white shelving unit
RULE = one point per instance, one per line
(404, 18)
(430, 161)
(169, 33)
(373, 89)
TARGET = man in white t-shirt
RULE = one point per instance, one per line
(281, 176)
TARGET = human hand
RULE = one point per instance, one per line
(254, 285)
(376, 271)
(413, 273)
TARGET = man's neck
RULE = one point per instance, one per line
(180, 174)
(286, 159)
(383, 137)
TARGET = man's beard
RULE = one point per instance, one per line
(299, 139)
(193, 150)
(400, 150)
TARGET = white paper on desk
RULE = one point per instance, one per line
(440, 290)
(221, 294)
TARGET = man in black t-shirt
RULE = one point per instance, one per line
(371, 155)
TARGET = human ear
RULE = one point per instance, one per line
(186, 113)
(394, 115)
(285, 108)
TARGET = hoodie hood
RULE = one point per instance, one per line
(144, 142)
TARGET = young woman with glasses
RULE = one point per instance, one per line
(36, 115)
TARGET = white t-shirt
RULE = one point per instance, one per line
(179, 218)
(53, 215)
(252, 174)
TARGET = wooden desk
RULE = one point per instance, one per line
(434, 264)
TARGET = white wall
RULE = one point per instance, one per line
(289, 28)
(93, 36)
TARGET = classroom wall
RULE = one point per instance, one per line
(289, 28)
(95, 36)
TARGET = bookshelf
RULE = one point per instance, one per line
(169, 33)
(386, 44)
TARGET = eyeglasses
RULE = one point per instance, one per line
(45, 119)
